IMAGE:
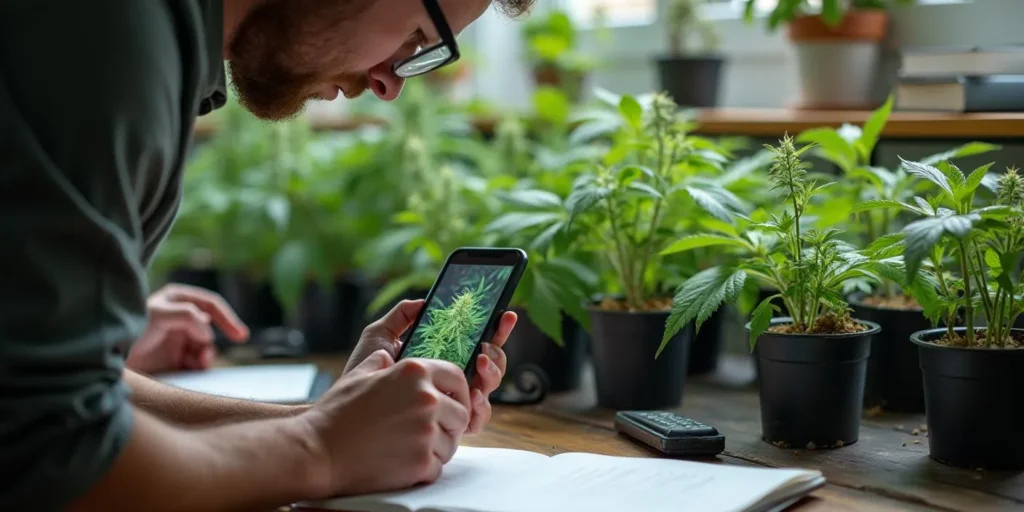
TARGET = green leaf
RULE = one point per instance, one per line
(278, 209)
(543, 308)
(955, 177)
(969, 149)
(645, 189)
(876, 204)
(710, 203)
(831, 146)
(925, 205)
(407, 217)
(921, 237)
(699, 297)
(929, 173)
(716, 225)
(518, 221)
(396, 287)
(533, 198)
(697, 241)
(761, 318)
(552, 105)
(974, 180)
(831, 13)
(583, 198)
(631, 111)
(992, 260)
(628, 174)
(886, 246)
(543, 240)
(873, 129)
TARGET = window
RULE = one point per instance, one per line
(589, 13)
(734, 8)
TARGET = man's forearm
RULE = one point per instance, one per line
(190, 408)
(256, 465)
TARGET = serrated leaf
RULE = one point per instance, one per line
(517, 221)
(929, 173)
(697, 241)
(761, 318)
(875, 204)
(974, 180)
(710, 203)
(831, 146)
(955, 177)
(543, 308)
(699, 297)
(886, 246)
(533, 198)
(583, 198)
(628, 174)
(714, 224)
(645, 189)
(969, 149)
(925, 205)
(921, 237)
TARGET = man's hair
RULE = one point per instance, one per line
(514, 8)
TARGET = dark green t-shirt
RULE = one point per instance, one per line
(97, 104)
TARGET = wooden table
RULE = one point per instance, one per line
(887, 469)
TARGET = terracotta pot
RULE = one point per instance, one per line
(857, 25)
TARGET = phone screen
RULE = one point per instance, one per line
(457, 313)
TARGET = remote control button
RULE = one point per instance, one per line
(670, 424)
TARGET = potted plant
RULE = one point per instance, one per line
(551, 48)
(813, 360)
(838, 49)
(972, 253)
(690, 77)
(894, 376)
(625, 209)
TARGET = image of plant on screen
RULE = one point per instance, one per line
(458, 313)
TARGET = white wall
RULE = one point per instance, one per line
(760, 70)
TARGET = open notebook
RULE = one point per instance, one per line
(502, 480)
(275, 383)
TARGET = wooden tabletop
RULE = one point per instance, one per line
(887, 469)
(776, 122)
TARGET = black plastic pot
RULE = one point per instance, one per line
(691, 81)
(316, 318)
(707, 343)
(528, 345)
(203, 278)
(253, 300)
(626, 372)
(352, 294)
(974, 403)
(894, 371)
(812, 386)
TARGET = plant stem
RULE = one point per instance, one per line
(995, 328)
(986, 300)
(624, 266)
(968, 296)
(950, 316)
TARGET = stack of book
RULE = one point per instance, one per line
(978, 79)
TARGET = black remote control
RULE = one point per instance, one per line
(670, 433)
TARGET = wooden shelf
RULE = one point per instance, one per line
(903, 125)
(777, 122)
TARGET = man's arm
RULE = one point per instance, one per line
(231, 467)
(190, 408)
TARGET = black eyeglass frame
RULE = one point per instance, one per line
(447, 40)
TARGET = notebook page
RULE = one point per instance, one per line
(600, 483)
(469, 481)
(276, 383)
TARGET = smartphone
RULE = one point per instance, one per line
(464, 306)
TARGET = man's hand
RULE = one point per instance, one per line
(384, 335)
(179, 335)
(387, 426)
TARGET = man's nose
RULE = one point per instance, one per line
(385, 84)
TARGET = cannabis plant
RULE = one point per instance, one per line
(971, 252)
(628, 206)
(448, 332)
(850, 148)
(807, 268)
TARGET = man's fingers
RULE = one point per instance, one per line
(481, 413)
(378, 360)
(488, 376)
(398, 320)
(496, 355)
(454, 420)
(505, 326)
(214, 305)
(186, 318)
(449, 380)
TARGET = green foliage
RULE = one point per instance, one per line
(969, 252)
(447, 331)
(684, 18)
(830, 11)
(654, 181)
(809, 269)
(552, 39)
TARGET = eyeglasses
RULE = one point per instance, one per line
(433, 57)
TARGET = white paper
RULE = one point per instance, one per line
(286, 383)
(497, 480)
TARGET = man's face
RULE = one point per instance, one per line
(286, 52)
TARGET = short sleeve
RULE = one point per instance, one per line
(90, 132)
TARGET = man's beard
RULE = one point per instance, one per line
(272, 50)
